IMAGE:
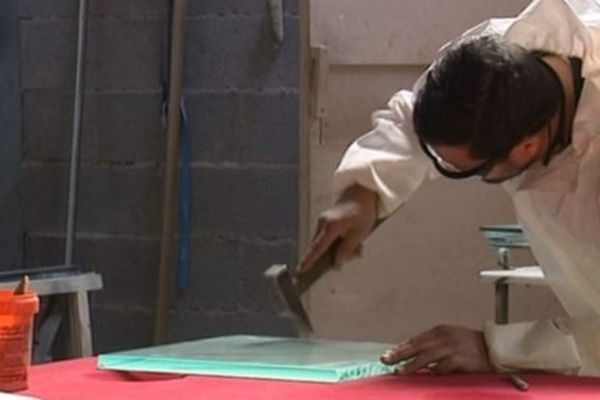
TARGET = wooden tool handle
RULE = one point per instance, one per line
(305, 280)
(22, 286)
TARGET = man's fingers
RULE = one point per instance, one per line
(420, 351)
(320, 229)
(401, 352)
(411, 347)
(348, 248)
(444, 349)
(323, 240)
(422, 360)
(444, 366)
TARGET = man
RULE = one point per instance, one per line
(515, 101)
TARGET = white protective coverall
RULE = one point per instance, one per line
(558, 205)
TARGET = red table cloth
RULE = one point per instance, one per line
(81, 380)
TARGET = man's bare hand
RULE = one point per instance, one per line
(443, 350)
(347, 223)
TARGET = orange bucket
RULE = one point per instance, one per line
(16, 327)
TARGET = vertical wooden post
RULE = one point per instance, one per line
(178, 28)
(304, 129)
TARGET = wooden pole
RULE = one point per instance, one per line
(178, 28)
(304, 130)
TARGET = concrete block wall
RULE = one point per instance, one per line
(242, 99)
(10, 155)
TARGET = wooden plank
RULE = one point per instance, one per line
(319, 56)
(61, 284)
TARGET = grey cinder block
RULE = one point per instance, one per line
(236, 7)
(112, 199)
(127, 126)
(121, 54)
(239, 53)
(47, 117)
(249, 127)
(48, 8)
(255, 200)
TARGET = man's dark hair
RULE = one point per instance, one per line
(487, 93)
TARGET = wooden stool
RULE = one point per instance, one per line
(74, 285)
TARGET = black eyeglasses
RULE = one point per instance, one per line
(450, 171)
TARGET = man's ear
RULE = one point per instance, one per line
(528, 149)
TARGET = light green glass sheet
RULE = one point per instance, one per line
(314, 360)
